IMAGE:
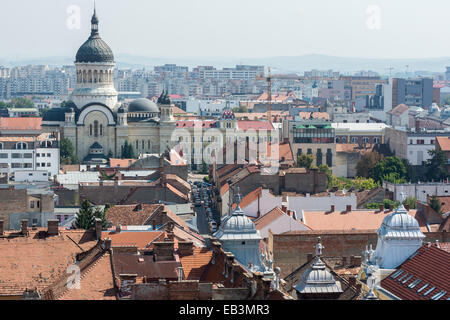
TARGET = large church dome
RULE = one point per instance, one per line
(143, 105)
(94, 49)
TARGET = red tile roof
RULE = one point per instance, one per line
(444, 143)
(21, 124)
(254, 125)
(268, 218)
(95, 284)
(141, 239)
(126, 215)
(431, 266)
(353, 220)
(250, 198)
(398, 110)
(194, 266)
(37, 260)
(122, 163)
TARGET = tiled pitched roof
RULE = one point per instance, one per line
(431, 266)
(268, 218)
(36, 260)
(96, 283)
(255, 125)
(249, 198)
(354, 220)
(141, 239)
(195, 265)
(126, 215)
(20, 124)
(122, 163)
(176, 191)
(444, 143)
(224, 189)
(398, 110)
(352, 148)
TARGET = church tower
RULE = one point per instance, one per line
(95, 71)
(166, 108)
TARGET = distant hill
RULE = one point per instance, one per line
(296, 64)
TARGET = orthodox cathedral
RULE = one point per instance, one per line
(97, 124)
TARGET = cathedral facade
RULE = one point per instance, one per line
(97, 124)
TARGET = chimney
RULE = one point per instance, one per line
(407, 207)
(352, 281)
(153, 222)
(24, 230)
(118, 228)
(139, 207)
(333, 208)
(108, 242)
(98, 228)
(1, 227)
(355, 260)
(284, 209)
(349, 208)
(52, 227)
(185, 248)
(163, 250)
(180, 274)
(381, 207)
(344, 261)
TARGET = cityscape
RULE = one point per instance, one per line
(130, 177)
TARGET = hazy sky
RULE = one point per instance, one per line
(231, 28)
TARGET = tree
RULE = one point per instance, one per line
(391, 169)
(365, 166)
(204, 168)
(128, 151)
(85, 218)
(436, 166)
(305, 161)
(411, 202)
(435, 204)
(67, 152)
(101, 214)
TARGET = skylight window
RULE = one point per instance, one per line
(407, 279)
(402, 277)
(395, 275)
(422, 288)
(431, 289)
(439, 295)
(414, 283)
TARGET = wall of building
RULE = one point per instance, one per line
(323, 203)
(12, 201)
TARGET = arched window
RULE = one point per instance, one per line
(96, 128)
(95, 76)
(90, 129)
(149, 145)
(137, 144)
(46, 144)
(338, 140)
(90, 76)
(21, 146)
(101, 130)
(376, 140)
(143, 144)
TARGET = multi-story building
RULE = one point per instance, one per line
(313, 137)
(412, 92)
(29, 153)
(413, 145)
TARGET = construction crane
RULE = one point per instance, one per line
(269, 94)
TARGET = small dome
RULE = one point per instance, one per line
(238, 222)
(143, 105)
(400, 224)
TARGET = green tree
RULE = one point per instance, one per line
(365, 166)
(436, 166)
(435, 204)
(21, 103)
(411, 202)
(204, 168)
(128, 151)
(85, 218)
(391, 169)
(67, 152)
(305, 161)
(100, 213)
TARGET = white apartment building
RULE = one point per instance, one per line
(39, 153)
(420, 191)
